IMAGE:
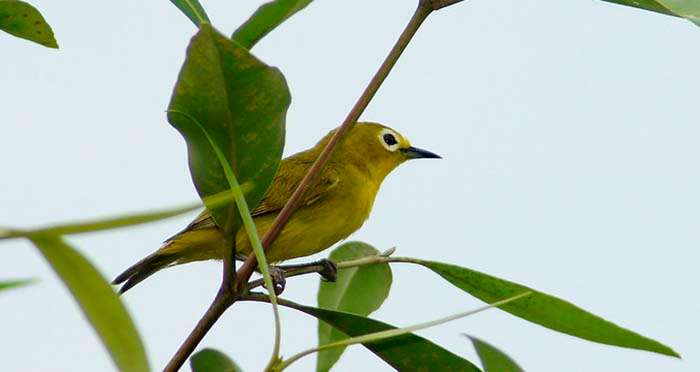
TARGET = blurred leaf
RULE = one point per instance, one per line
(211, 360)
(9, 284)
(265, 19)
(358, 290)
(689, 9)
(241, 103)
(544, 309)
(97, 300)
(406, 353)
(492, 359)
(193, 10)
(118, 221)
(23, 20)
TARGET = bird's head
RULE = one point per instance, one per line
(379, 148)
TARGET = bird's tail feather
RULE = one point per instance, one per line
(143, 269)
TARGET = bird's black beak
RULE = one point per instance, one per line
(416, 153)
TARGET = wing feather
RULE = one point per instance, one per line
(288, 177)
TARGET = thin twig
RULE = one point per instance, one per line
(314, 269)
(439, 4)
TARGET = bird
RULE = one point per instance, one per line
(333, 207)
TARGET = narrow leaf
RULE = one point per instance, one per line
(265, 19)
(689, 9)
(23, 20)
(357, 290)
(193, 10)
(406, 353)
(241, 104)
(211, 360)
(652, 5)
(545, 310)
(493, 359)
(116, 222)
(9, 284)
(96, 298)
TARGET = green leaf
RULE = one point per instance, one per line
(265, 19)
(545, 310)
(116, 222)
(193, 10)
(406, 353)
(9, 284)
(358, 290)
(689, 9)
(492, 359)
(241, 103)
(101, 306)
(23, 20)
(211, 360)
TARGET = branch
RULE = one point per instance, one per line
(317, 268)
(223, 300)
(439, 4)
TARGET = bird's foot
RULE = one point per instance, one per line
(329, 271)
(278, 280)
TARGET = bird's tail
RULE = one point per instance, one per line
(143, 269)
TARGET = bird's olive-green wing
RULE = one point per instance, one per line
(288, 177)
(290, 173)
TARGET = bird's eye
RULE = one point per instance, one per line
(389, 139)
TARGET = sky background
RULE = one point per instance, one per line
(570, 140)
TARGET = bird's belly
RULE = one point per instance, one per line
(311, 229)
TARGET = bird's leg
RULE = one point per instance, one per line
(326, 268)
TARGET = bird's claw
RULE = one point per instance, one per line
(278, 280)
(329, 271)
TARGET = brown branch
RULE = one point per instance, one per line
(224, 298)
(222, 301)
(234, 284)
(422, 11)
(439, 4)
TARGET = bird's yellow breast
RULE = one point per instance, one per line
(321, 223)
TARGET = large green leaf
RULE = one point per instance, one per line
(406, 353)
(265, 19)
(241, 103)
(358, 290)
(211, 360)
(689, 9)
(543, 309)
(492, 359)
(9, 284)
(23, 20)
(193, 10)
(101, 306)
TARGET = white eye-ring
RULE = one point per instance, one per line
(389, 139)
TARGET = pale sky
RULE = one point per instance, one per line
(570, 140)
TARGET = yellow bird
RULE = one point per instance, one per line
(336, 205)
